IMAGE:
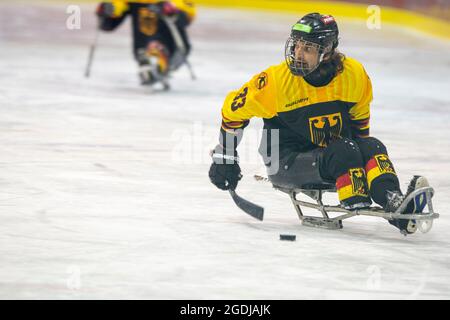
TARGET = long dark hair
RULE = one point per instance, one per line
(337, 62)
(329, 68)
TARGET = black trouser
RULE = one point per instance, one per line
(327, 165)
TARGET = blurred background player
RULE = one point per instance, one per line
(155, 47)
(318, 100)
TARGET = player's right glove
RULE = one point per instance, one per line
(225, 172)
(105, 10)
(168, 8)
(164, 8)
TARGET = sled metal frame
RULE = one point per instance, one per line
(335, 223)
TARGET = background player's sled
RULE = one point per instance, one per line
(315, 192)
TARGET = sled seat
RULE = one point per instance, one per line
(314, 191)
(326, 186)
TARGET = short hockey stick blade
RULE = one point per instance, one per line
(252, 209)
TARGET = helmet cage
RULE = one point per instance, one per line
(297, 64)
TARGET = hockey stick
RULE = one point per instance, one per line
(179, 42)
(87, 72)
(251, 209)
(193, 77)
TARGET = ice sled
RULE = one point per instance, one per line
(315, 192)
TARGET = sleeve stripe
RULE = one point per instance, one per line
(362, 122)
(361, 133)
(360, 127)
(231, 131)
(232, 125)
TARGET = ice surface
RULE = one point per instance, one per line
(104, 187)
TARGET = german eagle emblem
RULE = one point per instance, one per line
(325, 129)
(358, 178)
(384, 163)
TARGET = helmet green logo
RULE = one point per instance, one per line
(302, 27)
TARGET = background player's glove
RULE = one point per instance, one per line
(105, 10)
(225, 172)
(164, 8)
(168, 9)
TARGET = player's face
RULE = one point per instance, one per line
(308, 53)
(302, 57)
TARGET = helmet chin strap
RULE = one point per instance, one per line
(320, 60)
(321, 75)
(321, 57)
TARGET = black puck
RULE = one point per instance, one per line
(288, 237)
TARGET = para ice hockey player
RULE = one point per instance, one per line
(319, 102)
(156, 48)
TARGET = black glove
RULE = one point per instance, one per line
(168, 9)
(225, 172)
(164, 8)
(105, 10)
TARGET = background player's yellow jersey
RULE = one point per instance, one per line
(307, 116)
(187, 6)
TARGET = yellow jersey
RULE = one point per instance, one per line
(307, 116)
(122, 6)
